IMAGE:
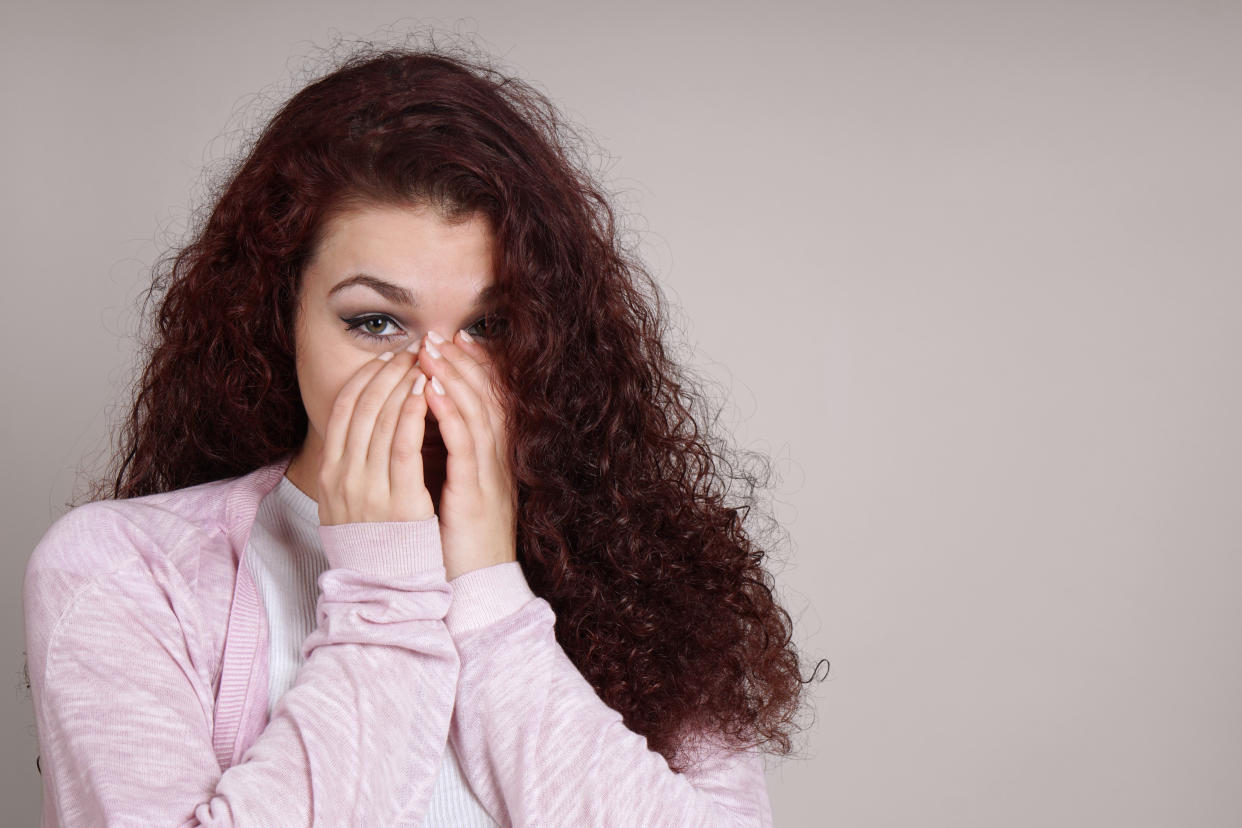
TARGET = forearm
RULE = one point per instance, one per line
(538, 742)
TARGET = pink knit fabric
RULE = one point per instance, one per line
(147, 647)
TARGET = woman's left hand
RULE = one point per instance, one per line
(478, 503)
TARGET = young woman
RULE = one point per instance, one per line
(412, 523)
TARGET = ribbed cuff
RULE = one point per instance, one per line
(384, 548)
(484, 595)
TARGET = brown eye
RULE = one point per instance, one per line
(362, 326)
(492, 327)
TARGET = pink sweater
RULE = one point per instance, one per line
(147, 647)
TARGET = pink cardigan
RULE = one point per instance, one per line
(147, 646)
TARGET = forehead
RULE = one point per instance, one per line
(411, 246)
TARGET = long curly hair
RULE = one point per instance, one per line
(662, 599)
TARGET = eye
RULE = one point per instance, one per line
(493, 326)
(370, 327)
(360, 327)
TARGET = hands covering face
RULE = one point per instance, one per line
(372, 466)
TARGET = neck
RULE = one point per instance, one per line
(303, 470)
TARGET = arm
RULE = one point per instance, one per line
(124, 709)
(540, 747)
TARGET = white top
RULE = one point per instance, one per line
(287, 560)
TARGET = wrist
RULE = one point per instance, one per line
(454, 569)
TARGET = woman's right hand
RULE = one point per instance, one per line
(371, 468)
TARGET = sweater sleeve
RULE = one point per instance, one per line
(540, 747)
(124, 703)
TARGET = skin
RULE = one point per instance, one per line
(371, 451)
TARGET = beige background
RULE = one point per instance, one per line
(971, 272)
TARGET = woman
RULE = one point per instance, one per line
(412, 523)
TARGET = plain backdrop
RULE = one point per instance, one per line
(970, 273)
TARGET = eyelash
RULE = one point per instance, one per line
(354, 326)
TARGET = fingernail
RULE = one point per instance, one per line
(384, 357)
(418, 384)
(465, 337)
(433, 350)
(413, 346)
(435, 383)
(435, 337)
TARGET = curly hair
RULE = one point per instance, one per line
(662, 600)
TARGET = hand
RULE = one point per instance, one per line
(478, 505)
(371, 468)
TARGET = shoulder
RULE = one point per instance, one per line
(157, 553)
(107, 535)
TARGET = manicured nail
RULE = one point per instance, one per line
(384, 357)
(435, 383)
(413, 346)
(435, 337)
(433, 350)
(465, 337)
(418, 384)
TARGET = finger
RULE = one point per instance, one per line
(467, 357)
(443, 359)
(480, 372)
(493, 404)
(379, 451)
(370, 401)
(468, 379)
(405, 470)
(343, 408)
(462, 465)
(483, 375)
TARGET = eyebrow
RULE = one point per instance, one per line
(399, 295)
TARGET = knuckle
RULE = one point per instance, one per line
(341, 406)
(385, 424)
(405, 451)
(368, 403)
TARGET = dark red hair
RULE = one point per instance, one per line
(662, 599)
